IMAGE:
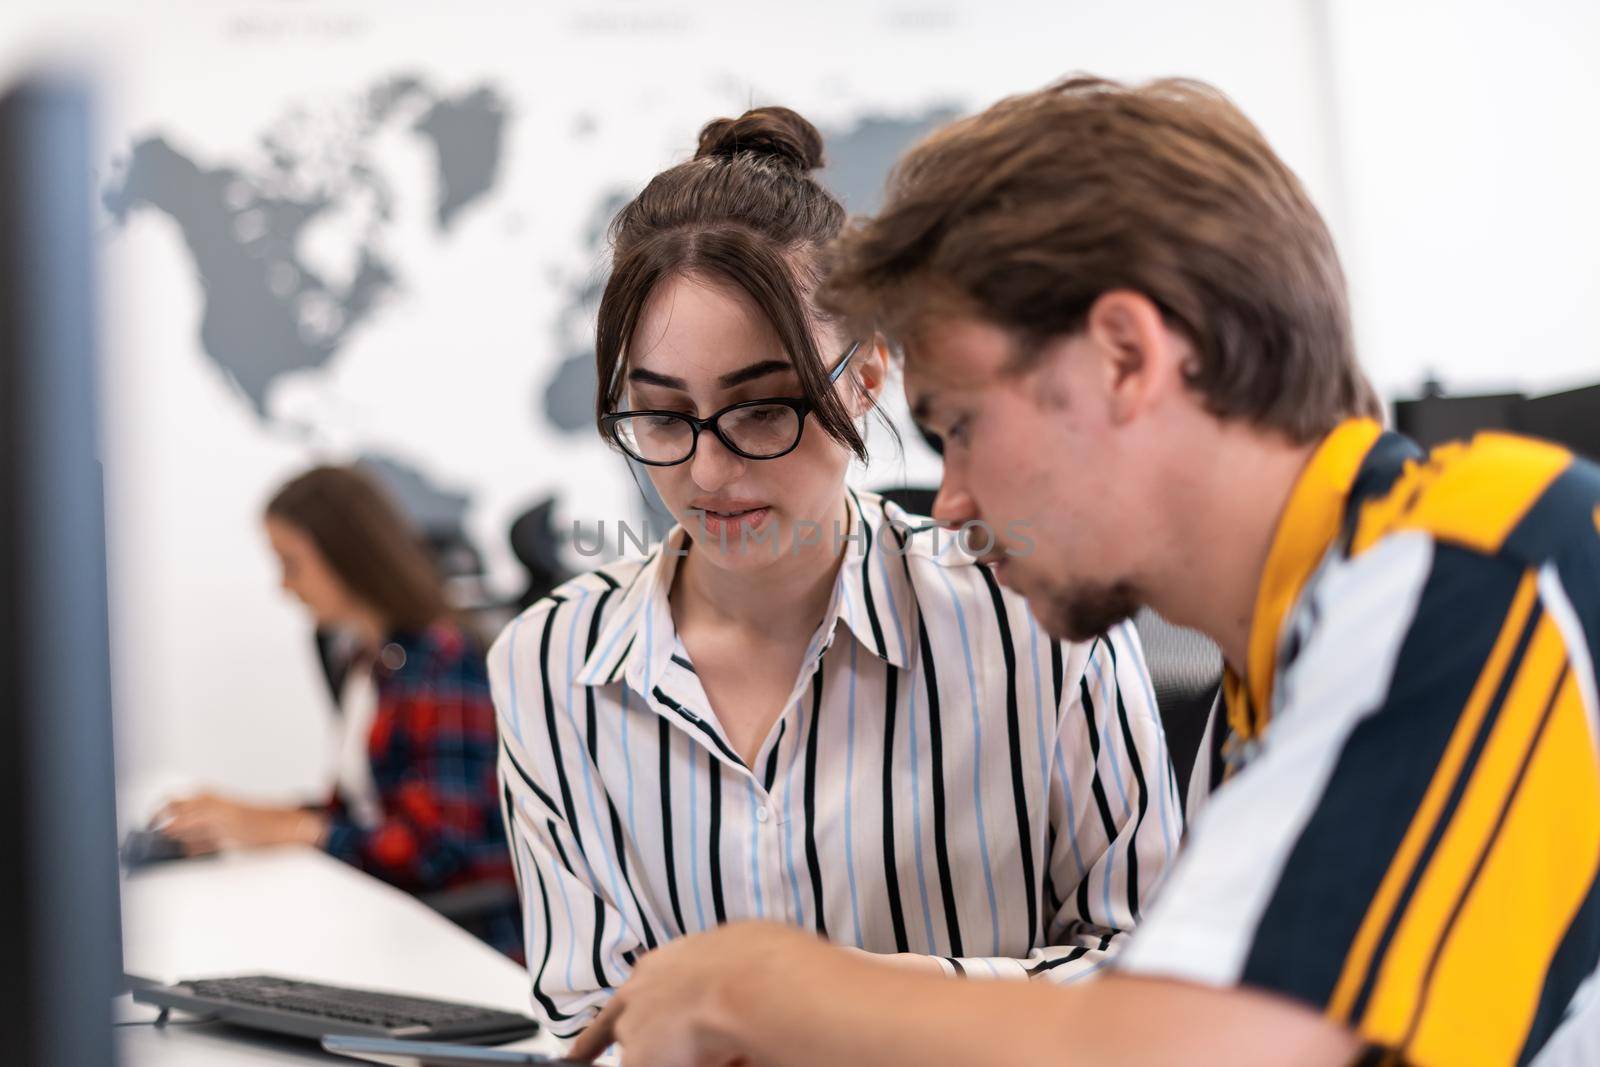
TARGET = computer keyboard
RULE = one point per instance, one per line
(312, 1009)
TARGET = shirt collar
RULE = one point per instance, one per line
(637, 639)
(872, 596)
(1309, 524)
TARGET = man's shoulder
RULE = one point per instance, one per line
(1421, 623)
(1406, 608)
(1497, 494)
(1474, 521)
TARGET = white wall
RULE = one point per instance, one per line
(1471, 161)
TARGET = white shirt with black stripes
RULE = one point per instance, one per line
(944, 779)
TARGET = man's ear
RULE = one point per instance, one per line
(1141, 357)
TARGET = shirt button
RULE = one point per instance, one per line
(763, 814)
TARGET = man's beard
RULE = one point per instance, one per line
(1085, 611)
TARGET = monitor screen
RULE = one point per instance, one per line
(59, 928)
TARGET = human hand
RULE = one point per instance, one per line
(686, 1001)
(207, 823)
(910, 961)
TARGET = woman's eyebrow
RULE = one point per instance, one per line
(727, 381)
(650, 377)
(753, 371)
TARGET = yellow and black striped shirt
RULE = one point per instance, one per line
(1411, 843)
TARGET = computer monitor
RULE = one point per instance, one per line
(1433, 420)
(1570, 419)
(59, 925)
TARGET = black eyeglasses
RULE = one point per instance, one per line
(754, 429)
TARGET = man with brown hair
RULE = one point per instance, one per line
(1127, 323)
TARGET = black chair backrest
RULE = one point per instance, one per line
(537, 547)
(912, 499)
(1186, 672)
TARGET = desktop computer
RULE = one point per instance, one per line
(59, 927)
(60, 932)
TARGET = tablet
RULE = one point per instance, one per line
(434, 1054)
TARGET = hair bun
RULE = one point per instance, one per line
(774, 133)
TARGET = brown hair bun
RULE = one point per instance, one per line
(775, 133)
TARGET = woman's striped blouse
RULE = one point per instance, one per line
(945, 779)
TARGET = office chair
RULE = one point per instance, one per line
(537, 547)
(914, 500)
(1186, 674)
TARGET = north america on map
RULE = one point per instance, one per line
(269, 310)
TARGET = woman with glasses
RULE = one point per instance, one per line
(803, 705)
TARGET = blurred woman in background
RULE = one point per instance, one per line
(416, 798)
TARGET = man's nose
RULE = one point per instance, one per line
(953, 505)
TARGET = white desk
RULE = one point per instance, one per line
(298, 913)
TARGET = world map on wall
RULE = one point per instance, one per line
(268, 311)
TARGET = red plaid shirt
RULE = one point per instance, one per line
(433, 748)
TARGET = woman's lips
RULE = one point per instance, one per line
(731, 525)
